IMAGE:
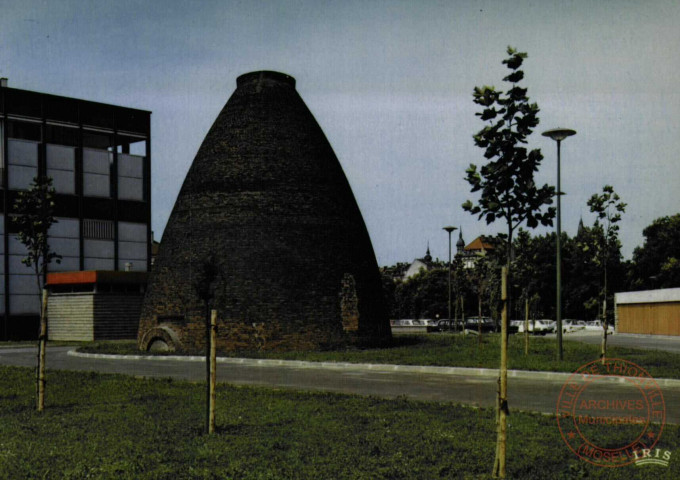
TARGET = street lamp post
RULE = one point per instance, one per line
(559, 134)
(449, 230)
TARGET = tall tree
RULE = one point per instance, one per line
(525, 276)
(478, 282)
(581, 282)
(422, 296)
(461, 288)
(33, 215)
(656, 264)
(608, 207)
(506, 183)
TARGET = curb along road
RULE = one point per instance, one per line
(346, 366)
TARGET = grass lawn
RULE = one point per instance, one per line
(116, 427)
(463, 351)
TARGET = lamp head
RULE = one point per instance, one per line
(559, 134)
(449, 229)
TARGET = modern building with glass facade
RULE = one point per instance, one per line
(99, 158)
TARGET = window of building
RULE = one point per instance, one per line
(98, 244)
(22, 163)
(2, 270)
(2, 152)
(64, 240)
(61, 167)
(132, 246)
(131, 158)
(97, 161)
(22, 153)
(130, 177)
(23, 292)
(96, 172)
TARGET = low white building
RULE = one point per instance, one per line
(651, 312)
(418, 265)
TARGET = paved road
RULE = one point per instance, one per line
(528, 394)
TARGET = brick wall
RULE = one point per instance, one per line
(267, 201)
(93, 316)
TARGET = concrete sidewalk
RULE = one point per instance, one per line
(374, 367)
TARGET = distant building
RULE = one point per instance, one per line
(650, 312)
(466, 254)
(418, 265)
(469, 254)
(98, 157)
(581, 230)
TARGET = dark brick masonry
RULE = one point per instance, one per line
(267, 212)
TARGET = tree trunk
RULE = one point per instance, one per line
(526, 325)
(212, 370)
(502, 403)
(508, 278)
(456, 314)
(603, 350)
(42, 345)
(479, 324)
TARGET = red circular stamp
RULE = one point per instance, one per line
(609, 413)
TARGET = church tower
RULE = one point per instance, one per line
(460, 244)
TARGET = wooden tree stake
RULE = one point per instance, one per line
(42, 345)
(212, 370)
(502, 404)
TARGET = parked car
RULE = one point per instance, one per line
(569, 326)
(440, 326)
(472, 325)
(596, 325)
(539, 327)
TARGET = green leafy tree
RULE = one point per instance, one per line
(608, 207)
(478, 283)
(543, 253)
(506, 183)
(483, 282)
(460, 287)
(525, 267)
(670, 273)
(424, 295)
(432, 293)
(606, 248)
(405, 298)
(582, 275)
(389, 286)
(656, 264)
(33, 215)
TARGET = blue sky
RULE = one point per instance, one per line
(390, 83)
